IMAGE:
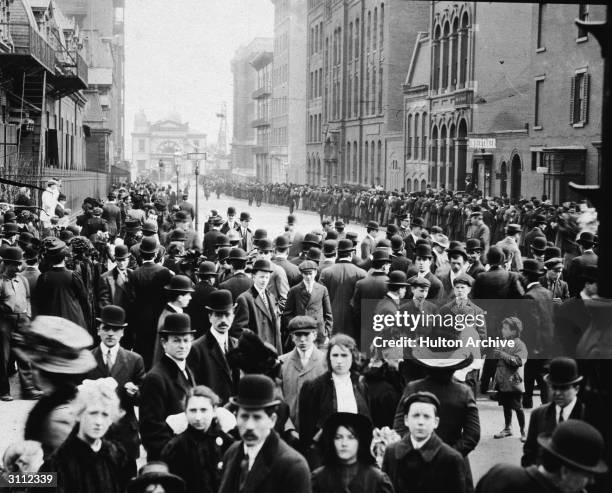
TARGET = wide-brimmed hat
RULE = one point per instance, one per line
(176, 323)
(216, 221)
(12, 255)
(255, 392)
(562, 371)
(156, 473)
(358, 423)
(56, 345)
(261, 265)
(220, 301)
(112, 315)
(448, 360)
(539, 244)
(302, 323)
(587, 238)
(397, 279)
(207, 268)
(180, 284)
(440, 239)
(148, 245)
(532, 266)
(553, 263)
(577, 444)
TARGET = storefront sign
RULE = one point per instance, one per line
(542, 169)
(481, 143)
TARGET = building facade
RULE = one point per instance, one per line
(288, 121)
(244, 108)
(364, 49)
(159, 150)
(264, 170)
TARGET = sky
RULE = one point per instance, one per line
(178, 55)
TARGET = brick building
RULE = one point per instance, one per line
(363, 50)
(244, 107)
(288, 124)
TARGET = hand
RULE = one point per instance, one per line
(131, 388)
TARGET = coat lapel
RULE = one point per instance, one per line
(262, 465)
(260, 304)
(120, 366)
(218, 355)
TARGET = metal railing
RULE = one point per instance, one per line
(26, 40)
(73, 64)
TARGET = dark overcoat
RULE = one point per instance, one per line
(316, 305)
(60, 292)
(369, 479)
(237, 284)
(508, 478)
(251, 313)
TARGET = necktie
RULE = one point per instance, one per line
(109, 361)
(560, 416)
(244, 472)
(264, 298)
(224, 347)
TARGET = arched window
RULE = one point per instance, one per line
(348, 163)
(408, 185)
(451, 155)
(409, 136)
(463, 50)
(366, 92)
(423, 185)
(455, 53)
(368, 31)
(382, 26)
(417, 140)
(356, 96)
(365, 164)
(356, 167)
(443, 144)
(380, 89)
(357, 37)
(424, 127)
(349, 93)
(350, 43)
(416, 185)
(434, 157)
(445, 57)
(379, 173)
(375, 27)
(372, 162)
(372, 97)
(435, 83)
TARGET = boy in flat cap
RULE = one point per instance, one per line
(421, 461)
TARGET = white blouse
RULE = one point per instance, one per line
(345, 396)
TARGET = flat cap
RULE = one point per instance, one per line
(419, 282)
(302, 323)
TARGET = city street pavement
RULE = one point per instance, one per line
(272, 218)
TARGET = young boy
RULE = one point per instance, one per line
(421, 462)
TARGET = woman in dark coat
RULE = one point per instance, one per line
(337, 390)
(86, 462)
(196, 454)
(348, 465)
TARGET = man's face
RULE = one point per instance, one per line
(309, 276)
(245, 224)
(461, 291)
(405, 223)
(200, 412)
(590, 288)
(473, 255)
(264, 254)
(261, 279)
(562, 395)
(231, 217)
(456, 264)
(221, 321)
(11, 268)
(421, 420)
(423, 263)
(183, 299)
(122, 264)
(419, 293)
(304, 340)
(177, 346)
(573, 480)
(110, 336)
(538, 256)
(554, 274)
(254, 426)
(94, 421)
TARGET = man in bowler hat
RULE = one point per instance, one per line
(261, 461)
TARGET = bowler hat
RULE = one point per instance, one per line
(231, 211)
(417, 222)
(237, 254)
(311, 239)
(281, 243)
(56, 345)
(223, 253)
(576, 444)
(380, 257)
(220, 301)
(112, 315)
(552, 252)
(372, 225)
(245, 216)
(178, 235)
(207, 269)
(149, 227)
(176, 323)
(302, 323)
(397, 279)
(562, 371)
(513, 229)
(587, 238)
(12, 255)
(421, 396)
(255, 392)
(532, 266)
(329, 247)
(156, 473)
(422, 250)
(265, 245)
(457, 250)
(351, 235)
(259, 234)
(345, 245)
(476, 211)
(290, 219)
(222, 241)
(495, 256)
(180, 283)
(332, 234)
(261, 265)
(307, 265)
(314, 254)
(25, 238)
(339, 224)
(539, 219)
(553, 263)
(10, 229)
(392, 229)
(397, 243)
(148, 245)
(473, 245)
(538, 244)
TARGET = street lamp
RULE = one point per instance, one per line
(177, 158)
(196, 157)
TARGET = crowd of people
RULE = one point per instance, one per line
(243, 362)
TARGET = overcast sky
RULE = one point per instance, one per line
(178, 57)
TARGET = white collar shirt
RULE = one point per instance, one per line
(417, 445)
(566, 411)
(222, 339)
(252, 452)
(305, 355)
(113, 353)
(345, 395)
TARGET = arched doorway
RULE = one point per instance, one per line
(461, 154)
(408, 185)
(516, 170)
(503, 179)
(423, 185)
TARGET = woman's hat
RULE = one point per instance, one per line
(255, 392)
(156, 473)
(56, 345)
(253, 355)
(112, 315)
(220, 301)
(180, 283)
(176, 323)
(358, 423)
(562, 371)
(577, 444)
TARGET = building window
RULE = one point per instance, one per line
(409, 135)
(141, 145)
(583, 15)
(537, 120)
(357, 37)
(380, 89)
(579, 99)
(350, 43)
(369, 28)
(539, 40)
(382, 25)
(375, 27)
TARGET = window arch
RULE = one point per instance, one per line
(455, 53)
(423, 185)
(364, 164)
(409, 136)
(356, 96)
(375, 30)
(434, 156)
(350, 43)
(417, 149)
(424, 136)
(357, 32)
(382, 26)
(380, 89)
(379, 173)
(435, 83)
(408, 185)
(416, 185)
(443, 154)
(452, 134)
(372, 97)
(373, 163)
(445, 57)
(356, 168)
(368, 32)
(463, 49)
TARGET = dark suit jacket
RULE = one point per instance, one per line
(400, 262)
(128, 367)
(210, 366)
(226, 227)
(110, 293)
(147, 295)
(237, 284)
(210, 239)
(409, 246)
(295, 239)
(537, 317)
(161, 395)
(507, 478)
(544, 420)
(369, 479)
(367, 247)
(372, 287)
(575, 269)
(434, 468)
(315, 304)
(293, 272)
(475, 269)
(112, 214)
(251, 313)
(246, 240)
(571, 321)
(277, 468)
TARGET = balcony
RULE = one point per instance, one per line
(260, 122)
(262, 91)
(464, 98)
(28, 48)
(71, 73)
